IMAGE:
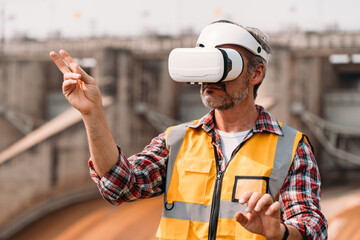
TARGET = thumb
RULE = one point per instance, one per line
(241, 218)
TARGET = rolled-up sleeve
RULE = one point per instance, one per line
(300, 195)
(139, 176)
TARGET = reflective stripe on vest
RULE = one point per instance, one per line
(174, 140)
(201, 213)
(284, 151)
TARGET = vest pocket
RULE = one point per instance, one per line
(194, 179)
(226, 229)
(171, 228)
(249, 183)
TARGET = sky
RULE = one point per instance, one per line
(83, 18)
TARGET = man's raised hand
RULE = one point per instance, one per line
(79, 88)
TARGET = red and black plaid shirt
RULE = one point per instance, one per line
(143, 175)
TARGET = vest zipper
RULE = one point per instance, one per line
(215, 205)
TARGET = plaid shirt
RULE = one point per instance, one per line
(143, 175)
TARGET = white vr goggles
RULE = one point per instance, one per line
(206, 62)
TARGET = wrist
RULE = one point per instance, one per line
(280, 234)
(94, 113)
(286, 232)
(94, 119)
(94, 107)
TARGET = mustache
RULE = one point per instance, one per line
(218, 84)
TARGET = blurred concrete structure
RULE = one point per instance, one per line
(43, 148)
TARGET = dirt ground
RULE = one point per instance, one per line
(98, 220)
(341, 207)
(345, 226)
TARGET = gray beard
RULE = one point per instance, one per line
(226, 102)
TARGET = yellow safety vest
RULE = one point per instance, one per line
(200, 201)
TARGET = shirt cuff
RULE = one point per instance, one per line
(113, 185)
(95, 176)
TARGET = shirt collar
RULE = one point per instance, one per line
(265, 122)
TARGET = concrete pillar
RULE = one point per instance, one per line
(106, 71)
(123, 115)
(26, 86)
(167, 97)
(278, 83)
(313, 86)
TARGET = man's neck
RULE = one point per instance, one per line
(239, 118)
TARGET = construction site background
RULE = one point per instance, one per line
(312, 84)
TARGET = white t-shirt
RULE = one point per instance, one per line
(229, 141)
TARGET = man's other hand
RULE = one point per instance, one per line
(263, 215)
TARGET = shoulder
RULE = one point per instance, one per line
(177, 133)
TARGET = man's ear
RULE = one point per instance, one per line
(257, 76)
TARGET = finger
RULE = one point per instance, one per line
(241, 218)
(71, 75)
(69, 61)
(67, 58)
(253, 201)
(74, 66)
(264, 202)
(59, 62)
(245, 197)
(68, 85)
(86, 78)
(273, 209)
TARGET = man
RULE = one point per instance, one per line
(236, 173)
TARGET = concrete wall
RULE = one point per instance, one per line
(38, 180)
(9, 133)
(26, 88)
(342, 107)
(23, 87)
(276, 84)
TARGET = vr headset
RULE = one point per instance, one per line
(208, 64)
